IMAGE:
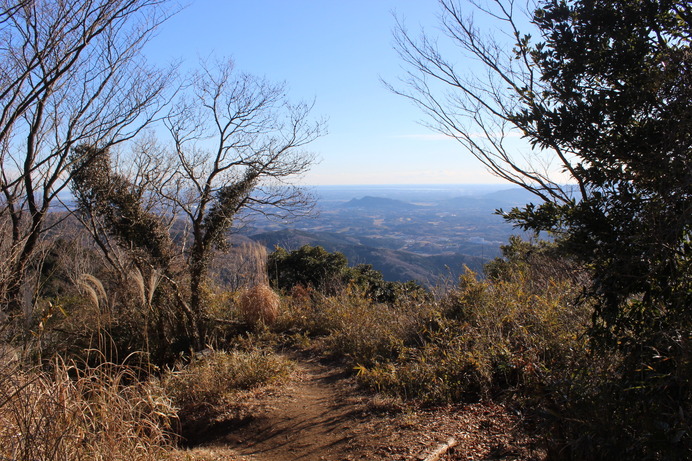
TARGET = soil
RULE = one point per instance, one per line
(323, 415)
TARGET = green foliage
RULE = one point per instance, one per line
(101, 193)
(314, 267)
(372, 283)
(228, 202)
(308, 266)
(623, 109)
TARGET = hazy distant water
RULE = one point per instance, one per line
(334, 194)
(405, 192)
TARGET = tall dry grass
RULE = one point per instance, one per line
(488, 339)
(213, 376)
(259, 305)
(82, 413)
(243, 265)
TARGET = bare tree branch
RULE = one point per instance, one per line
(475, 97)
(71, 73)
(237, 145)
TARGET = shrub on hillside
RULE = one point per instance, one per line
(329, 274)
(489, 337)
(259, 305)
(373, 285)
(308, 266)
(368, 332)
(114, 316)
(351, 324)
(631, 400)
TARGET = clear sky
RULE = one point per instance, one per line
(335, 52)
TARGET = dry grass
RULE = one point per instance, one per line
(488, 339)
(242, 265)
(88, 413)
(211, 378)
(259, 305)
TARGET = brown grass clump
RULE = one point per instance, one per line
(71, 412)
(214, 385)
(210, 379)
(259, 305)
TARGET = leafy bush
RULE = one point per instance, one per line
(308, 266)
(329, 273)
(608, 407)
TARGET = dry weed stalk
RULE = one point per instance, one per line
(253, 263)
(145, 288)
(259, 305)
(244, 264)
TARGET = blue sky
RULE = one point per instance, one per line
(334, 52)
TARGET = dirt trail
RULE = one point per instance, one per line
(322, 416)
(312, 419)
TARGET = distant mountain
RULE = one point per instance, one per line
(292, 239)
(379, 204)
(395, 265)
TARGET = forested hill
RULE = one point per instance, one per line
(418, 233)
(395, 265)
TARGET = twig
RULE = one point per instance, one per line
(440, 450)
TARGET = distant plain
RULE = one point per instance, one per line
(408, 232)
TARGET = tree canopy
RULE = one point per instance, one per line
(602, 89)
(605, 92)
(618, 86)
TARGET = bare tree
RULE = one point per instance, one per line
(474, 93)
(237, 146)
(116, 206)
(71, 73)
(237, 141)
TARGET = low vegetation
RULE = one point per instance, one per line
(259, 305)
(215, 375)
(73, 412)
(521, 334)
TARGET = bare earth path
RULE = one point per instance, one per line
(321, 415)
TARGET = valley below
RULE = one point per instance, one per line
(424, 233)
